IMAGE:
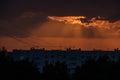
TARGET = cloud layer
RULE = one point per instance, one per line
(90, 8)
(41, 25)
(72, 26)
(19, 18)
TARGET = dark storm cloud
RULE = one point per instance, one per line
(16, 19)
(22, 25)
(106, 8)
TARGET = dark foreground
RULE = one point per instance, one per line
(102, 69)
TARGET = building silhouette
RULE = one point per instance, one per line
(72, 58)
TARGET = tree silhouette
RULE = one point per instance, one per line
(102, 69)
(21, 70)
(58, 71)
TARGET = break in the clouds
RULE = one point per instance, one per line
(41, 25)
(21, 17)
(79, 26)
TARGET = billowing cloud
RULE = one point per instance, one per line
(39, 24)
(67, 19)
(79, 26)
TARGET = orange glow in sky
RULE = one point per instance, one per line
(70, 31)
(100, 22)
(68, 19)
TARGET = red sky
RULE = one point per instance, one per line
(68, 31)
(85, 24)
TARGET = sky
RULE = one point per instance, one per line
(60, 24)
